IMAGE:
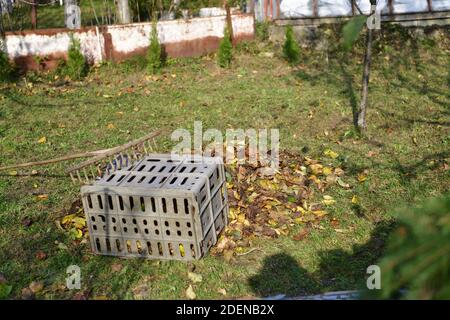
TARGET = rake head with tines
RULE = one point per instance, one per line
(113, 159)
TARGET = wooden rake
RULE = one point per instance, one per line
(100, 161)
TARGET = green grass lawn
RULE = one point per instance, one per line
(404, 154)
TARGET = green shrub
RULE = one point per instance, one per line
(291, 50)
(416, 264)
(262, 30)
(5, 65)
(154, 54)
(225, 54)
(76, 66)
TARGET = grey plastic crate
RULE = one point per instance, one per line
(158, 208)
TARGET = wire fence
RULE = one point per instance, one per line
(17, 15)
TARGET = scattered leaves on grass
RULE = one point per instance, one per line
(302, 234)
(331, 154)
(334, 222)
(116, 267)
(371, 154)
(74, 223)
(190, 294)
(195, 277)
(26, 222)
(41, 255)
(342, 183)
(328, 200)
(42, 140)
(36, 286)
(141, 292)
(222, 291)
(42, 197)
(362, 176)
(27, 294)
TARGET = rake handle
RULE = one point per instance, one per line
(114, 151)
(50, 161)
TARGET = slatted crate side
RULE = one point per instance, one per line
(219, 205)
(142, 208)
(103, 224)
(145, 248)
(153, 222)
(211, 236)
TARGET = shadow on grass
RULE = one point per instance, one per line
(412, 120)
(350, 92)
(338, 270)
(406, 172)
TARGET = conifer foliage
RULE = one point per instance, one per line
(154, 54)
(291, 50)
(417, 260)
(225, 54)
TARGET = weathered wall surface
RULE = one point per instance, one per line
(334, 8)
(300, 9)
(179, 37)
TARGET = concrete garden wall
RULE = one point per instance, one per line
(180, 38)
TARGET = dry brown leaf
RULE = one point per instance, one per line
(41, 255)
(190, 294)
(302, 234)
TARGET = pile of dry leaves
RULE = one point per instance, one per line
(267, 203)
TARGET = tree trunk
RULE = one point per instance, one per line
(34, 15)
(251, 6)
(365, 81)
(229, 21)
(123, 11)
(2, 31)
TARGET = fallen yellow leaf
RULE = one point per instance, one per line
(195, 277)
(78, 234)
(320, 213)
(222, 291)
(79, 222)
(190, 294)
(42, 197)
(328, 200)
(42, 140)
(316, 168)
(67, 218)
(298, 220)
(362, 177)
(327, 171)
(330, 153)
